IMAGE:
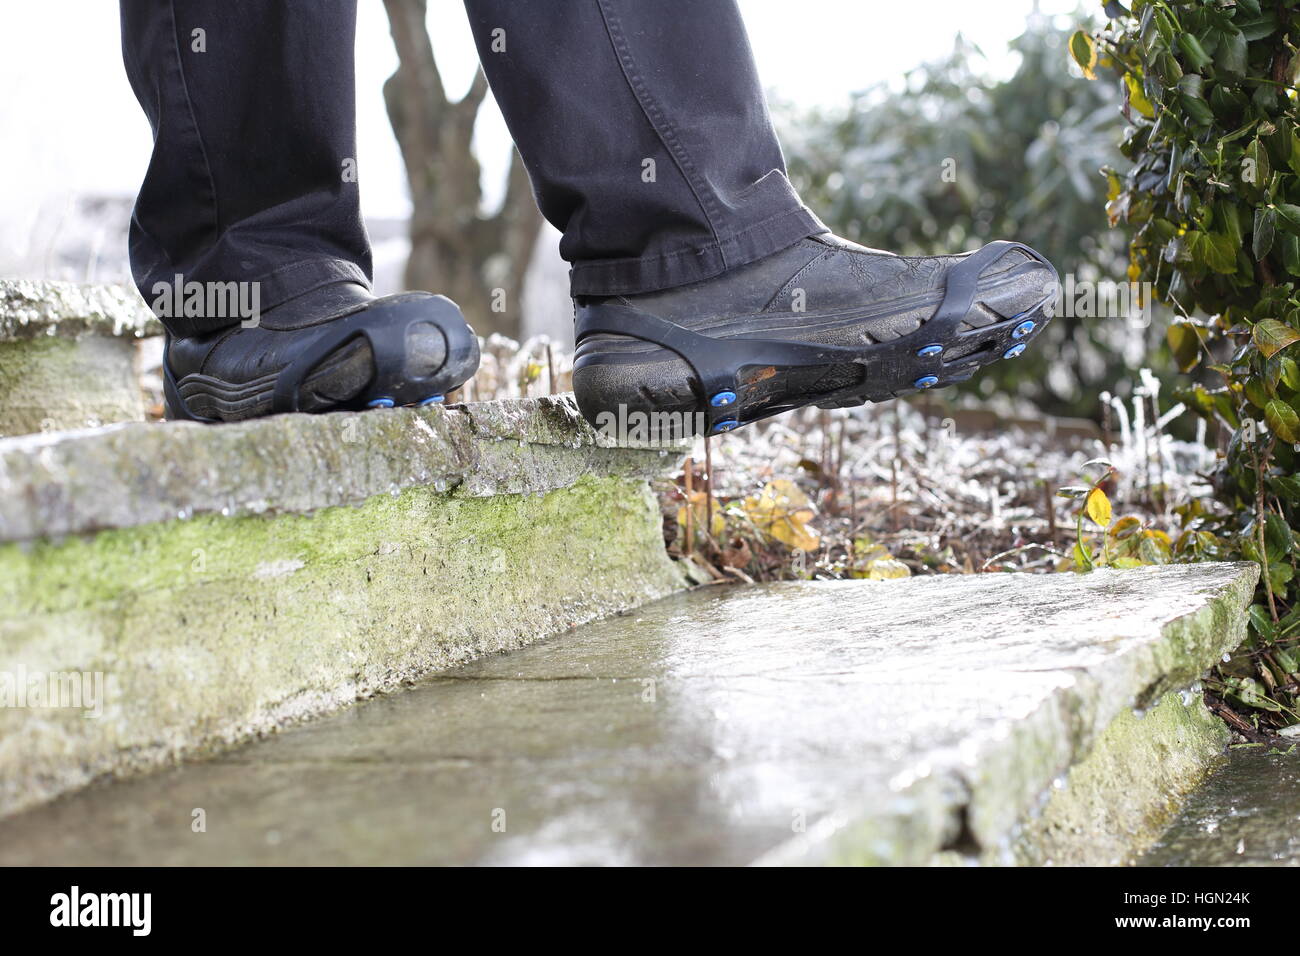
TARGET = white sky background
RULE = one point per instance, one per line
(71, 124)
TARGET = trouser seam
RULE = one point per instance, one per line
(657, 119)
(179, 65)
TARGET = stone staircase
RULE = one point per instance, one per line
(987, 718)
(219, 582)
(171, 592)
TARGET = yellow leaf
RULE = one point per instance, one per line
(795, 534)
(1159, 536)
(1098, 507)
(529, 373)
(782, 511)
(1084, 52)
(699, 508)
(885, 569)
(865, 550)
(787, 494)
(1126, 527)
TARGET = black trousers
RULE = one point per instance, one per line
(641, 122)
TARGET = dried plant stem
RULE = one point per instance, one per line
(690, 507)
(1260, 514)
(708, 487)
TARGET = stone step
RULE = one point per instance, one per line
(200, 585)
(1244, 814)
(67, 355)
(989, 718)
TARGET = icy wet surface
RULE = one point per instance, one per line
(715, 726)
(1246, 814)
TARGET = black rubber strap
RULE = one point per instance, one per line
(387, 340)
(288, 383)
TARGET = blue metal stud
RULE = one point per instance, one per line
(381, 403)
(726, 425)
(722, 399)
(1023, 329)
(926, 381)
(929, 350)
(433, 400)
(1014, 350)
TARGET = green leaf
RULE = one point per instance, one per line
(1153, 550)
(1193, 51)
(1291, 254)
(1255, 393)
(1197, 109)
(1248, 693)
(1288, 216)
(1278, 538)
(1271, 336)
(1185, 343)
(1286, 486)
(1265, 229)
(1084, 52)
(1215, 250)
(1231, 55)
(1289, 372)
(1282, 420)
(1250, 548)
(1166, 25)
(1072, 491)
(1082, 557)
(1255, 166)
(1262, 622)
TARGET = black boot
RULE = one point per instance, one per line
(336, 347)
(824, 321)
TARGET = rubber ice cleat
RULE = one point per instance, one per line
(732, 350)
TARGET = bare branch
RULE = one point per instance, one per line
(417, 70)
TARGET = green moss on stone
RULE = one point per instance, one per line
(214, 629)
(1116, 802)
(53, 383)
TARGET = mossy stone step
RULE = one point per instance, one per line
(67, 355)
(218, 582)
(992, 718)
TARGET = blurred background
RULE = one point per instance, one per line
(871, 100)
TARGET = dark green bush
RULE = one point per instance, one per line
(1211, 205)
(955, 157)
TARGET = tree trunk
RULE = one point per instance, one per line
(479, 261)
